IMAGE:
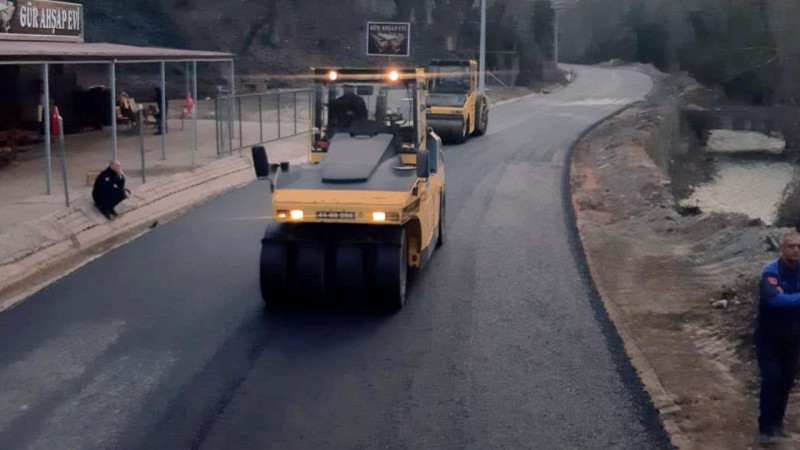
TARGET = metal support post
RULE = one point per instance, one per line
(229, 125)
(46, 119)
(163, 106)
(295, 112)
(232, 89)
(141, 141)
(555, 38)
(260, 120)
(279, 115)
(194, 111)
(112, 82)
(63, 153)
(482, 63)
(241, 138)
(217, 135)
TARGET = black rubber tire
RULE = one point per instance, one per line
(273, 274)
(442, 210)
(349, 272)
(483, 124)
(391, 273)
(309, 271)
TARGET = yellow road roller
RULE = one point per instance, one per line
(370, 204)
(456, 109)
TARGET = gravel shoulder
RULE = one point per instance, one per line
(681, 289)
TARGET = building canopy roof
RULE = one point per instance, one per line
(26, 52)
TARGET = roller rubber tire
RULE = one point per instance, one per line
(391, 274)
(442, 210)
(349, 272)
(309, 270)
(273, 274)
(480, 130)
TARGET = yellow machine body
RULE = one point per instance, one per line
(361, 204)
(456, 110)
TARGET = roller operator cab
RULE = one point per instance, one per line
(370, 204)
(456, 110)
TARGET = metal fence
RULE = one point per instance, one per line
(782, 119)
(33, 185)
(245, 120)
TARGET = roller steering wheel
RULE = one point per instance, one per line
(393, 118)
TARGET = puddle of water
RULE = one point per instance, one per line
(754, 188)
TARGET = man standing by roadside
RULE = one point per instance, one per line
(777, 335)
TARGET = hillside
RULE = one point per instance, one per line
(278, 36)
(288, 36)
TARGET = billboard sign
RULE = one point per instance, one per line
(41, 20)
(388, 39)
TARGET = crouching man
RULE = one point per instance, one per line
(109, 189)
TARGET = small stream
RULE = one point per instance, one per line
(754, 188)
(746, 176)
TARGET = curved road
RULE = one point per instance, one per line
(164, 343)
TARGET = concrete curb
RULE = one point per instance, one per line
(157, 203)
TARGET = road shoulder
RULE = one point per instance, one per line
(660, 276)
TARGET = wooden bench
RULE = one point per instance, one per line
(121, 119)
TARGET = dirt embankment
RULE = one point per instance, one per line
(680, 288)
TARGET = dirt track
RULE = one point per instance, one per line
(681, 290)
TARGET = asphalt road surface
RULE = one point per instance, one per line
(164, 343)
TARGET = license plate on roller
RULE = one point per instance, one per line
(342, 215)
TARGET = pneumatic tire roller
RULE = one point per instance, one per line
(368, 207)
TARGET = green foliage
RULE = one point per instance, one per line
(747, 48)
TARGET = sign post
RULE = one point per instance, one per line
(62, 152)
(482, 51)
(388, 39)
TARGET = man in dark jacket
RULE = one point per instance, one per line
(777, 335)
(109, 189)
(348, 108)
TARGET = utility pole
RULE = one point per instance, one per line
(555, 32)
(482, 59)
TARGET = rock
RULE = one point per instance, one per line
(772, 243)
(720, 304)
(755, 222)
